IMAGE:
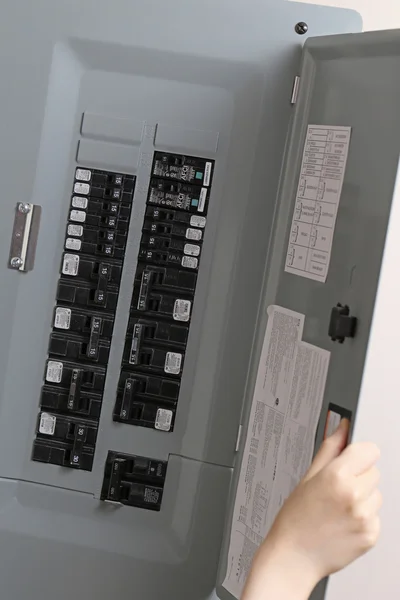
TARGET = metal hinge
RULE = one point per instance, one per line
(295, 90)
(239, 436)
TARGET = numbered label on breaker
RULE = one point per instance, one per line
(78, 216)
(197, 221)
(194, 234)
(54, 371)
(173, 362)
(163, 419)
(47, 424)
(192, 249)
(190, 262)
(75, 230)
(70, 264)
(63, 318)
(73, 244)
(83, 175)
(182, 310)
(79, 202)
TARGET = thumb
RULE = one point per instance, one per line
(332, 447)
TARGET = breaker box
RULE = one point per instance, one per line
(187, 191)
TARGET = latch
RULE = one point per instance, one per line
(24, 237)
(341, 325)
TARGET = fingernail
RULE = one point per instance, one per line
(344, 424)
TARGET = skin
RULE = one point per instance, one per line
(330, 520)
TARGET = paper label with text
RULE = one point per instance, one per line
(317, 201)
(280, 436)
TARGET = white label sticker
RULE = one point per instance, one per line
(79, 202)
(280, 436)
(207, 174)
(81, 188)
(192, 249)
(194, 234)
(332, 423)
(62, 319)
(173, 363)
(47, 424)
(202, 199)
(73, 244)
(54, 371)
(197, 221)
(190, 262)
(78, 215)
(76, 230)
(317, 201)
(70, 264)
(163, 419)
(182, 310)
(83, 175)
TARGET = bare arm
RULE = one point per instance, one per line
(330, 520)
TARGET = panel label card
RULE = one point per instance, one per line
(280, 436)
(317, 201)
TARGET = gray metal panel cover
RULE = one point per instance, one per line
(349, 80)
(107, 83)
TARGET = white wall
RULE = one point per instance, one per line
(376, 14)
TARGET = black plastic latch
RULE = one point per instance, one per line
(341, 325)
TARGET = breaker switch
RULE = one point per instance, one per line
(134, 481)
(79, 441)
(74, 390)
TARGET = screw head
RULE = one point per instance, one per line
(16, 262)
(24, 208)
(301, 28)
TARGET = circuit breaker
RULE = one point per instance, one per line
(153, 186)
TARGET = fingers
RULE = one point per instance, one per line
(330, 449)
(358, 458)
(367, 483)
(366, 514)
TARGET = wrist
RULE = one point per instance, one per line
(280, 569)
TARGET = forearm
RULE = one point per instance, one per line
(278, 574)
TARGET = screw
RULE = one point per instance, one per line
(301, 28)
(24, 208)
(16, 262)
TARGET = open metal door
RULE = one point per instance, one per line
(353, 82)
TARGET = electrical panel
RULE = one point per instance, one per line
(131, 316)
(164, 291)
(83, 319)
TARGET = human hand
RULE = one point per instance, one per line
(332, 517)
(330, 520)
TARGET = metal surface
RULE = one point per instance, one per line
(301, 28)
(295, 90)
(24, 237)
(346, 81)
(103, 86)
